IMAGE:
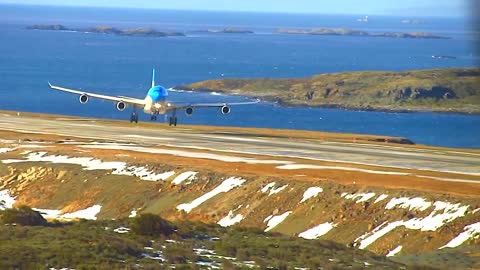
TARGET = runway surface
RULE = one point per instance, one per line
(389, 155)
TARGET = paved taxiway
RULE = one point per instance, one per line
(449, 160)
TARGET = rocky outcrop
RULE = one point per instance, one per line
(351, 32)
(436, 92)
(141, 31)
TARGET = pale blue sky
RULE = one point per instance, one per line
(367, 7)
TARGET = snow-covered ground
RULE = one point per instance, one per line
(117, 167)
(5, 150)
(273, 221)
(267, 187)
(359, 197)
(225, 186)
(410, 203)
(394, 251)
(310, 193)
(443, 213)
(381, 198)
(6, 201)
(133, 214)
(471, 231)
(317, 231)
(270, 188)
(183, 177)
(230, 219)
(87, 213)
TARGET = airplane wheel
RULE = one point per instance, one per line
(175, 121)
(170, 121)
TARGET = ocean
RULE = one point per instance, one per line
(119, 65)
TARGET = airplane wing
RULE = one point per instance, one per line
(210, 105)
(129, 100)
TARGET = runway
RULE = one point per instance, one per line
(387, 155)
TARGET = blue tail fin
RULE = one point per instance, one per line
(153, 78)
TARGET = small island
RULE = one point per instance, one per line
(142, 31)
(350, 32)
(440, 90)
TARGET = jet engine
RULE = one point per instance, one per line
(83, 98)
(225, 109)
(189, 111)
(121, 106)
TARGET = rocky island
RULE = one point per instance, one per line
(141, 31)
(439, 90)
(350, 32)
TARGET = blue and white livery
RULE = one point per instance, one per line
(155, 103)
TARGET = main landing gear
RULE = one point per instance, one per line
(172, 120)
(154, 116)
(134, 116)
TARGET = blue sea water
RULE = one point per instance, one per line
(118, 65)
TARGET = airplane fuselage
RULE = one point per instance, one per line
(156, 100)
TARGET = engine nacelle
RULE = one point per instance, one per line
(121, 106)
(83, 98)
(189, 111)
(225, 109)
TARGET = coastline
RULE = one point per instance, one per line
(275, 100)
(450, 90)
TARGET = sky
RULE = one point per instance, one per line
(412, 8)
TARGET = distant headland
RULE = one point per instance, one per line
(350, 32)
(439, 90)
(142, 31)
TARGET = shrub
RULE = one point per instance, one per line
(24, 216)
(150, 224)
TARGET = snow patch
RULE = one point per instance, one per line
(230, 220)
(310, 193)
(362, 197)
(471, 231)
(270, 188)
(88, 213)
(5, 150)
(317, 231)
(6, 201)
(443, 213)
(122, 230)
(394, 251)
(410, 203)
(277, 190)
(118, 168)
(273, 221)
(133, 214)
(370, 237)
(381, 198)
(184, 176)
(225, 186)
(267, 187)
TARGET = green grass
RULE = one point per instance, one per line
(94, 245)
(456, 90)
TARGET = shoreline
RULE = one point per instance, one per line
(274, 100)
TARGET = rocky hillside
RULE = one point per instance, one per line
(445, 90)
(67, 180)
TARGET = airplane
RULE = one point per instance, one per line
(155, 103)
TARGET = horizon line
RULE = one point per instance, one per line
(236, 11)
